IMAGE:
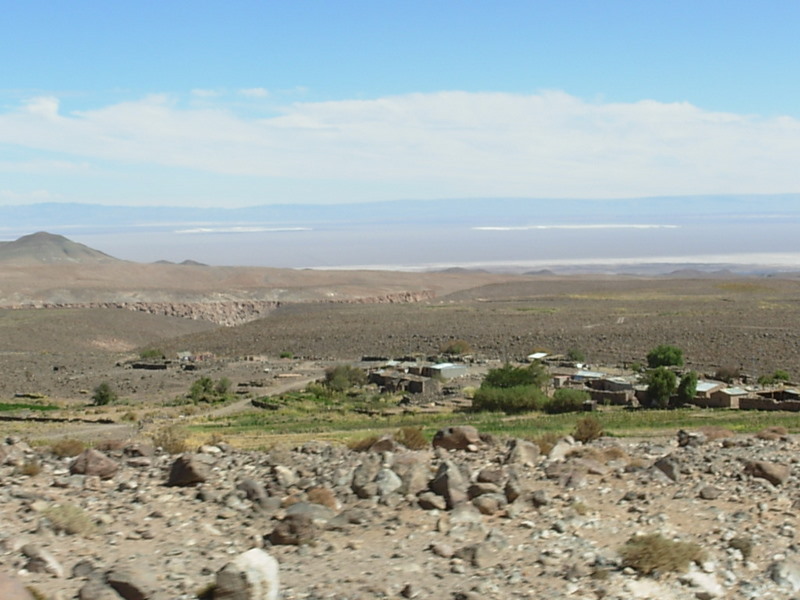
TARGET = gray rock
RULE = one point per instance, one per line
(450, 483)
(41, 560)
(522, 452)
(94, 463)
(431, 501)
(387, 482)
(253, 575)
(364, 477)
(668, 466)
(253, 491)
(709, 492)
(189, 469)
(412, 468)
(294, 530)
(561, 448)
(97, 589)
(785, 573)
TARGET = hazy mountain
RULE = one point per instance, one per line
(47, 248)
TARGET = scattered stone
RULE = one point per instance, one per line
(189, 469)
(92, 462)
(463, 437)
(294, 530)
(450, 483)
(252, 575)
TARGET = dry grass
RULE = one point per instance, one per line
(653, 553)
(70, 519)
(30, 468)
(412, 438)
(67, 448)
(546, 441)
(713, 432)
(171, 439)
(774, 433)
(587, 429)
(362, 444)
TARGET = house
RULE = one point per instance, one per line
(444, 370)
(728, 397)
(536, 356)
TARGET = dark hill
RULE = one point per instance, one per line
(48, 248)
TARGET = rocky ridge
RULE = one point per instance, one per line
(470, 518)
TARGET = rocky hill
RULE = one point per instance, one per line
(702, 516)
(47, 248)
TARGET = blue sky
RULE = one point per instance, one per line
(258, 102)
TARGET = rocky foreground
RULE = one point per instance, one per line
(471, 518)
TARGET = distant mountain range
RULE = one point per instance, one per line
(86, 218)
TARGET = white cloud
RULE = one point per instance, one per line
(257, 92)
(442, 144)
(28, 197)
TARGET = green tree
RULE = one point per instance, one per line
(661, 384)
(509, 376)
(456, 347)
(687, 388)
(665, 356)
(104, 394)
(576, 355)
(343, 377)
(202, 390)
(510, 400)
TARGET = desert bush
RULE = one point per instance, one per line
(412, 438)
(576, 355)
(70, 519)
(151, 354)
(207, 390)
(104, 394)
(362, 444)
(286, 354)
(650, 553)
(727, 374)
(112, 445)
(456, 347)
(566, 400)
(67, 447)
(779, 376)
(587, 430)
(129, 417)
(510, 400)
(546, 441)
(665, 356)
(171, 439)
(30, 468)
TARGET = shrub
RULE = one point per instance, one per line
(778, 376)
(171, 439)
(206, 389)
(510, 400)
(660, 387)
(509, 376)
(362, 444)
(665, 356)
(67, 448)
(576, 355)
(546, 441)
(70, 519)
(30, 468)
(104, 394)
(727, 374)
(412, 438)
(650, 553)
(566, 400)
(285, 354)
(456, 347)
(343, 377)
(151, 354)
(587, 429)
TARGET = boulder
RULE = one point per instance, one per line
(189, 469)
(775, 473)
(92, 462)
(134, 581)
(253, 575)
(463, 437)
(294, 530)
(522, 452)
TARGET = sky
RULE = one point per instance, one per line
(242, 103)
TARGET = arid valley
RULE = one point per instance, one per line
(483, 515)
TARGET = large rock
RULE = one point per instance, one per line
(522, 452)
(294, 530)
(134, 582)
(450, 483)
(41, 560)
(775, 473)
(252, 575)
(463, 437)
(364, 476)
(94, 463)
(189, 469)
(13, 589)
(413, 470)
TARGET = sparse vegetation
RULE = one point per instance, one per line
(412, 438)
(653, 553)
(207, 390)
(70, 519)
(456, 347)
(778, 376)
(30, 468)
(576, 355)
(104, 394)
(587, 430)
(67, 447)
(343, 377)
(171, 439)
(286, 354)
(151, 354)
(727, 374)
